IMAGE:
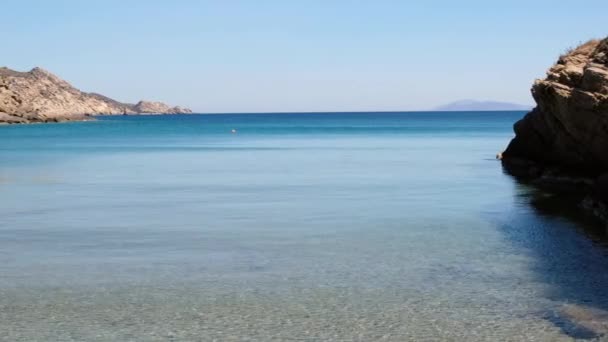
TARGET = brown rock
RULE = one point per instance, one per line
(595, 79)
(147, 107)
(40, 96)
(569, 126)
(11, 119)
(561, 145)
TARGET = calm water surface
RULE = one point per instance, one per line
(308, 227)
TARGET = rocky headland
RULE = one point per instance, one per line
(40, 96)
(562, 144)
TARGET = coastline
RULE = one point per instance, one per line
(75, 118)
(560, 145)
(40, 96)
(23, 121)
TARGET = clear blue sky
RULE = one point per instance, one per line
(241, 56)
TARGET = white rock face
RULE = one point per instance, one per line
(40, 96)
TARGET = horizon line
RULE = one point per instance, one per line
(357, 111)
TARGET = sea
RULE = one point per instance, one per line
(288, 227)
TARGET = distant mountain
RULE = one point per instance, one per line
(474, 105)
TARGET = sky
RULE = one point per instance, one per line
(285, 56)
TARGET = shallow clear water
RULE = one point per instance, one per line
(343, 227)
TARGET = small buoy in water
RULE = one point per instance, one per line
(233, 131)
(499, 156)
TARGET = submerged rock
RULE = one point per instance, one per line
(564, 139)
(40, 96)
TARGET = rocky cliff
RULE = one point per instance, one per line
(39, 96)
(563, 142)
(147, 107)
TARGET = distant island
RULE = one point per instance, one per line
(475, 105)
(40, 96)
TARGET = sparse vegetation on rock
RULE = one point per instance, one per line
(40, 96)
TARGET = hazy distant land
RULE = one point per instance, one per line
(476, 105)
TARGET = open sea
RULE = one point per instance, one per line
(297, 227)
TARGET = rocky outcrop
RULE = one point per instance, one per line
(147, 107)
(563, 142)
(40, 96)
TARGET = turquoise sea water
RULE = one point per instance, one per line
(308, 227)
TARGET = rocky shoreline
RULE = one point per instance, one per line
(40, 96)
(561, 146)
